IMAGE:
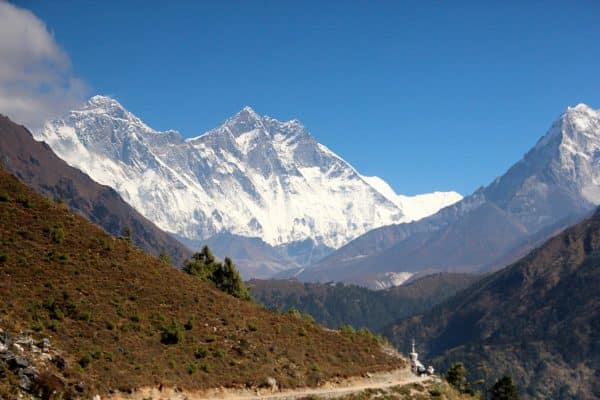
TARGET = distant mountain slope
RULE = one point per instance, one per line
(39, 167)
(336, 304)
(538, 319)
(253, 176)
(119, 319)
(556, 184)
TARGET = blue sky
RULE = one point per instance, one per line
(427, 95)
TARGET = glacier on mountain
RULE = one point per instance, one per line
(253, 176)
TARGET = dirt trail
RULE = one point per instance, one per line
(343, 387)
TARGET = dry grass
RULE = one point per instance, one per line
(428, 390)
(110, 308)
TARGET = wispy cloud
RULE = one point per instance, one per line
(36, 80)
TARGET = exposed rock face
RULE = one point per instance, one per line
(21, 356)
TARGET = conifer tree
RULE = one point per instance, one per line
(224, 276)
(457, 377)
(504, 389)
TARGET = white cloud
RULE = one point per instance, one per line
(36, 81)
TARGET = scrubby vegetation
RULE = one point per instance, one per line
(123, 319)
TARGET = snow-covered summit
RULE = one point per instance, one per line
(566, 157)
(252, 176)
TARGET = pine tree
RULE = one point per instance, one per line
(224, 276)
(457, 377)
(504, 389)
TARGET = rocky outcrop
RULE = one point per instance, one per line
(30, 364)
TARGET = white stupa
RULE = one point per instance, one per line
(415, 365)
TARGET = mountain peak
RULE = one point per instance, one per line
(581, 110)
(581, 107)
(246, 114)
(103, 102)
(248, 110)
(244, 121)
(101, 105)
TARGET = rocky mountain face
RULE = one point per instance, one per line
(36, 164)
(555, 185)
(253, 176)
(538, 320)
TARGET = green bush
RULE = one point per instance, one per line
(25, 202)
(347, 329)
(308, 318)
(56, 256)
(206, 368)
(52, 325)
(85, 360)
(219, 353)
(164, 258)
(188, 326)
(201, 352)
(252, 328)
(84, 316)
(37, 326)
(57, 234)
(171, 334)
(294, 313)
(192, 368)
(135, 317)
(504, 389)
(210, 339)
(54, 309)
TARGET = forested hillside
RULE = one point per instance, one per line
(337, 304)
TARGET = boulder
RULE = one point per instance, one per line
(270, 383)
(25, 383)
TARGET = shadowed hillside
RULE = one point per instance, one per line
(538, 319)
(118, 318)
(337, 304)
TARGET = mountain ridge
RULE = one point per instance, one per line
(555, 181)
(252, 176)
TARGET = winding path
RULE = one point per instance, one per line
(344, 387)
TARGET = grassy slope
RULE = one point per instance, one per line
(116, 299)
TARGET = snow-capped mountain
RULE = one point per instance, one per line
(557, 183)
(253, 176)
